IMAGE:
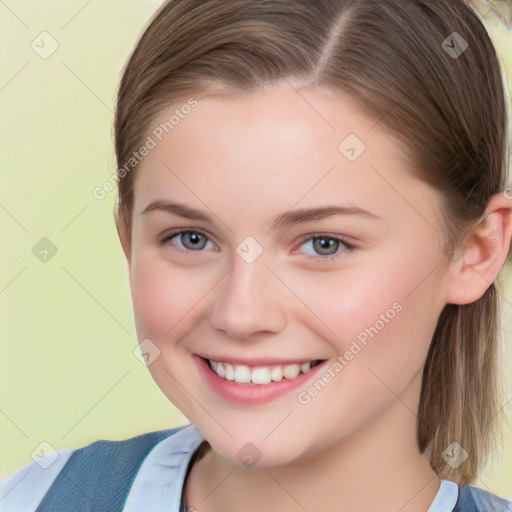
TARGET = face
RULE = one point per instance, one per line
(296, 249)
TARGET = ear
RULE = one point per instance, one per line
(124, 234)
(484, 253)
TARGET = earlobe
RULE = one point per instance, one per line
(484, 253)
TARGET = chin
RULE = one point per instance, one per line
(250, 448)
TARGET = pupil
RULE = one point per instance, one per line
(193, 239)
(324, 244)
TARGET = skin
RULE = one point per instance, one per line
(244, 161)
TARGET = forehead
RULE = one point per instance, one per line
(292, 111)
(281, 145)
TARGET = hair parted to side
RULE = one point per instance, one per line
(387, 56)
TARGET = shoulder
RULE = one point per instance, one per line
(474, 499)
(26, 488)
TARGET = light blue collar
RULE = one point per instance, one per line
(446, 497)
(159, 481)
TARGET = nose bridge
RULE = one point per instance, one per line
(248, 301)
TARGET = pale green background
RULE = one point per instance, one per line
(69, 375)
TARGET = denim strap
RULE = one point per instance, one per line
(98, 477)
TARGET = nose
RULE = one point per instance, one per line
(248, 301)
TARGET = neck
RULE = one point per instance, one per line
(378, 467)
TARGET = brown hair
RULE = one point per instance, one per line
(393, 58)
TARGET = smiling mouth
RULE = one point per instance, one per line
(261, 374)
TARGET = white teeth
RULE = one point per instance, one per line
(290, 371)
(242, 374)
(230, 371)
(276, 374)
(259, 375)
(219, 369)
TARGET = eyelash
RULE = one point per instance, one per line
(343, 247)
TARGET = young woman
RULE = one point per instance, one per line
(313, 207)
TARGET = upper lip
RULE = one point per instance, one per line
(259, 362)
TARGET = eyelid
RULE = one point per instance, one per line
(324, 234)
(175, 231)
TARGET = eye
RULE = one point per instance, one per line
(187, 240)
(322, 246)
(325, 246)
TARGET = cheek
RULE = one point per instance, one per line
(166, 301)
(392, 308)
(163, 297)
(383, 331)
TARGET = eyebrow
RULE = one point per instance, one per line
(282, 220)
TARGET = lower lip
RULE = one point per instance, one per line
(251, 393)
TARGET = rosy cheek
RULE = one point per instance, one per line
(369, 309)
(350, 303)
(166, 299)
(155, 300)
